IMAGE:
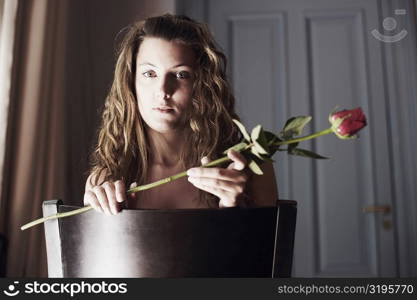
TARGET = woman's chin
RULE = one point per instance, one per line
(164, 126)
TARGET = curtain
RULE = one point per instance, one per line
(34, 167)
(7, 30)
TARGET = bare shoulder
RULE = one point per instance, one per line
(263, 189)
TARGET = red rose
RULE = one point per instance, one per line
(347, 123)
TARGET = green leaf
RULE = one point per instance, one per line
(294, 126)
(255, 168)
(260, 156)
(255, 152)
(256, 131)
(306, 153)
(292, 146)
(271, 137)
(259, 148)
(263, 141)
(259, 140)
(242, 130)
(237, 147)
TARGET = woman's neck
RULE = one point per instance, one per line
(166, 147)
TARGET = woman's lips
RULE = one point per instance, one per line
(164, 110)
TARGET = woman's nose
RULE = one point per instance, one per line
(166, 86)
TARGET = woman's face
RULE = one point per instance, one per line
(164, 82)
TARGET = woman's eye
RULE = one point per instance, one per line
(149, 74)
(183, 75)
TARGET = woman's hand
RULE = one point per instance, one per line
(106, 198)
(228, 184)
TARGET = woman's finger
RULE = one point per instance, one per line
(91, 199)
(205, 160)
(220, 193)
(120, 191)
(133, 185)
(102, 199)
(239, 162)
(218, 173)
(240, 201)
(109, 187)
(228, 186)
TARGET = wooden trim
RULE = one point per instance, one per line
(284, 238)
(52, 239)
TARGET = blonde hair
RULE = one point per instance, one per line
(123, 149)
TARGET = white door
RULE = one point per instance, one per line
(303, 57)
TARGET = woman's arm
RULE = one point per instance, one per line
(262, 189)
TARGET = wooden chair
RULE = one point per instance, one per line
(227, 242)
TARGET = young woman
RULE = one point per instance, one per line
(169, 109)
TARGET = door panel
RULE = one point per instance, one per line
(338, 76)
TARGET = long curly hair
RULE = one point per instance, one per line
(123, 148)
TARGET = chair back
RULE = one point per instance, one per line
(3, 255)
(226, 242)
